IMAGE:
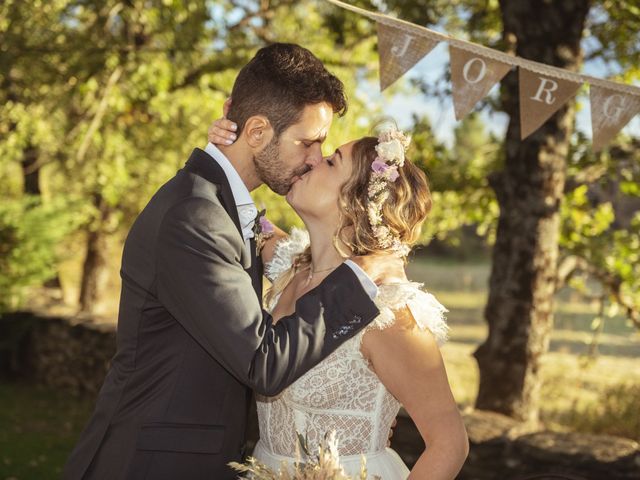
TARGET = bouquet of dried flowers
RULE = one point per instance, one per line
(325, 465)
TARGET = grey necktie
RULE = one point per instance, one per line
(247, 215)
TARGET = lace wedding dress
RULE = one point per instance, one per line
(342, 393)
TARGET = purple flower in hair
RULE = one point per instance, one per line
(393, 174)
(379, 166)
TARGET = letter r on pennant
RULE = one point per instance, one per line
(543, 88)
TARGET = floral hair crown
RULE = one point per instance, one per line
(392, 144)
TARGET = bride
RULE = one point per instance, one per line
(364, 198)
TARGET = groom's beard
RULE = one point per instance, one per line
(272, 171)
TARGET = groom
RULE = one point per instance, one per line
(192, 339)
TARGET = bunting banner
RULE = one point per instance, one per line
(476, 69)
(399, 51)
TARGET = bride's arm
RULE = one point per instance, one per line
(408, 362)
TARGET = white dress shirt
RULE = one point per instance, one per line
(247, 212)
(245, 206)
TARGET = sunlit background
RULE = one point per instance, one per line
(102, 101)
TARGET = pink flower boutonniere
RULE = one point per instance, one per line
(263, 230)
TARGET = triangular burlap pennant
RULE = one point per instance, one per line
(610, 112)
(541, 97)
(399, 50)
(472, 76)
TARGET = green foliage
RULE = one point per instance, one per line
(607, 244)
(115, 95)
(458, 178)
(590, 231)
(30, 233)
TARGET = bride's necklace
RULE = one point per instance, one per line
(312, 272)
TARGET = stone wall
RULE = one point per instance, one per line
(57, 352)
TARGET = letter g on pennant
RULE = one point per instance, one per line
(610, 112)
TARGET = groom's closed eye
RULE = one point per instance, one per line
(314, 139)
(311, 143)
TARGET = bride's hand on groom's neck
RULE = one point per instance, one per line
(382, 267)
(223, 131)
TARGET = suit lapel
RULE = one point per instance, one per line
(201, 164)
(256, 269)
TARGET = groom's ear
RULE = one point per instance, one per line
(258, 131)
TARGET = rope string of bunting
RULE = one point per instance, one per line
(475, 69)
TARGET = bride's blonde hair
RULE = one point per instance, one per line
(403, 213)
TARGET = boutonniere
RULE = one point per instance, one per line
(262, 229)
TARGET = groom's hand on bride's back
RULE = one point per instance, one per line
(382, 267)
(393, 425)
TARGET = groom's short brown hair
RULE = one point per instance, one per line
(279, 82)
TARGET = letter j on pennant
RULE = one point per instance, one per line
(399, 50)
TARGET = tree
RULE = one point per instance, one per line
(519, 310)
(529, 180)
(112, 96)
(105, 99)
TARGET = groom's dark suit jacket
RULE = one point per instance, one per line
(193, 340)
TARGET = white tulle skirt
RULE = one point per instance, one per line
(385, 464)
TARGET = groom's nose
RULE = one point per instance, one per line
(314, 156)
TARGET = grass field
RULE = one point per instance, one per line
(598, 394)
(38, 428)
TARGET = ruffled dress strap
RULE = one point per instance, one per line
(285, 252)
(427, 311)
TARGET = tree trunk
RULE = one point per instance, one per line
(95, 272)
(31, 179)
(31, 171)
(529, 190)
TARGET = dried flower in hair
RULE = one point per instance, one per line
(391, 147)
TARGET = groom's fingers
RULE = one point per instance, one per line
(393, 425)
